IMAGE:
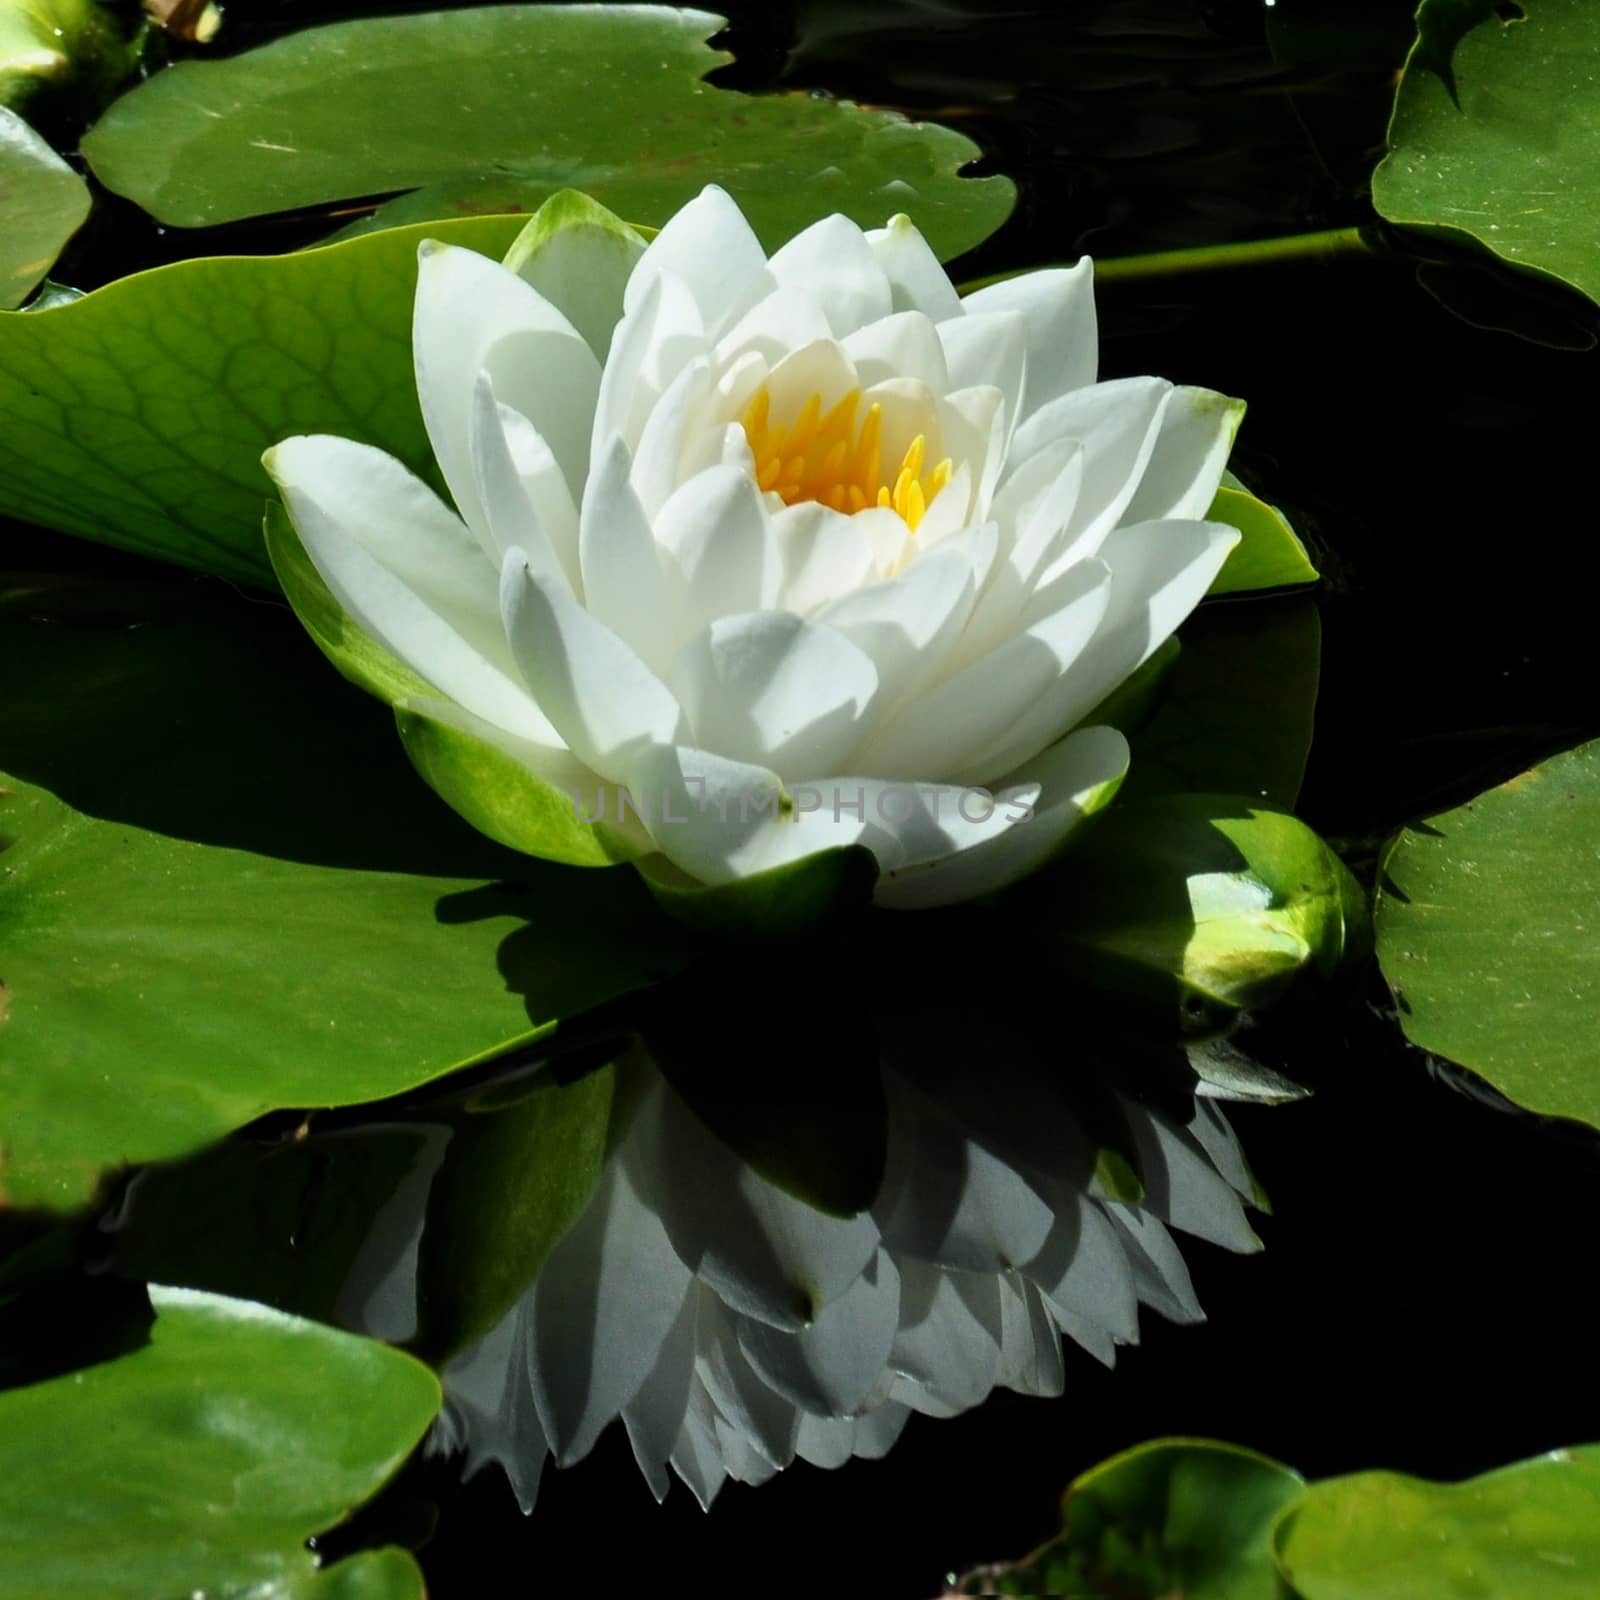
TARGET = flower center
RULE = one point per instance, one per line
(832, 459)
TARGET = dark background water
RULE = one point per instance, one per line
(1422, 1301)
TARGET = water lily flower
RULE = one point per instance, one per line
(753, 558)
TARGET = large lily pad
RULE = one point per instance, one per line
(44, 203)
(225, 891)
(1173, 1517)
(201, 1462)
(137, 415)
(1495, 137)
(497, 108)
(1527, 1532)
(1488, 926)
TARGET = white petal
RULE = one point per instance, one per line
(654, 1416)
(523, 492)
(697, 1457)
(1117, 424)
(579, 257)
(906, 624)
(974, 425)
(784, 320)
(949, 513)
(948, 1201)
(1057, 307)
(833, 260)
(471, 316)
(657, 338)
(721, 554)
(1030, 1349)
(603, 1305)
(941, 732)
(1072, 777)
(665, 438)
(764, 1420)
(1082, 1269)
(623, 585)
(1160, 1274)
(407, 571)
(826, 1442)
(1191, 449)
(989, 348)
(765, 1253)
(825, 554)
(596, 692)
(1160, 571)
(716, 819)
(917, 282)
(1033, 511)
(1183, 1188)
(820, 368)
(878, 1429)
(904, 345)
(767, 687)
(1209, 1129)
(711, 248)
(831, 1367)
(949, 1337)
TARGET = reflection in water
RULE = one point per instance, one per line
(1019, 1191)
(734, 1329)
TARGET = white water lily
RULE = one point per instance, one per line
(755, 557)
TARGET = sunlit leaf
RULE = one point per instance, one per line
(1495, 138)
(137, 415)
(1526, 1532)
(1177, 1517)
(201, 1462)
(1270, 554)
(225, 891)
(1488, 925)
(495, 109)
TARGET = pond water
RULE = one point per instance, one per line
(1421, 1300)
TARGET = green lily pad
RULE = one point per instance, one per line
(201, 1462)
(1488, 925)
(1496, 134)
(137, 415)
(495, 109)
(1268, 556)
(1204, 905)
(1174, 1517)
(1526, 1532)
(226, 892)
(44, 203)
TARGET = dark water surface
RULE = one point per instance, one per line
(1422, 1300)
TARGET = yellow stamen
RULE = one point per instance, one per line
(824, 457)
